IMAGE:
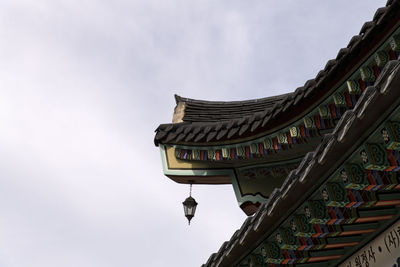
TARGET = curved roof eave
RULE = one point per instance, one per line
(261, 115)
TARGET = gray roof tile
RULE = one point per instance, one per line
(222, 133)
(211, 136)
(379, 13)
(354, 40)
(366, 27)
(233, 131)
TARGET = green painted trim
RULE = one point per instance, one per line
(364, 226)
(273, 164)
(322, 253)
(242, 199)
(380, 212)
(392, 196)
(258, 196)
(344, 239)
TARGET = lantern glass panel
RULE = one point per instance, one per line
(189, 207)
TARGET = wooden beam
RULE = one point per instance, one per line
(357, 232)
(340, 245)
(324, 258)
(387, 203)
(374, 218)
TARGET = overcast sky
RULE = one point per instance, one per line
(85, 83)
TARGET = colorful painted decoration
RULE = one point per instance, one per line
(381, 58)
(339, 99)
(316, 212)
(308, 122)
(300, 226)
(367, 74)
(294, 132)
(324, 112)
(274, 252)
(354, 176)
(282, 139)
(334, 194)
(353, 86)
(374, 157)
(286, 239)
(395, 43)
(267, 144)
(391, 135)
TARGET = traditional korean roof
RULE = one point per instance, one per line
(348, 185)
(254, 144)
(331, 150)
(200, 122)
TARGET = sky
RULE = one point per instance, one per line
(83, 86)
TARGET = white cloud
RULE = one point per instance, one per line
(85, 83)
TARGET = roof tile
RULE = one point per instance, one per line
(180, 137)
(303, 164)
(329, 65)
(171, 136)
(233, 131)
(199, 137)
(383, 78)
(251, 119)
(189, 137)
(266, 120)
(379, 13)
(222, 133)
(243, 129)
(207, 129)
(187, 129)
(211, 136)
(230, 124)
(366, 27)
(298, 98)
(255, 125)
(342, 52)
(321, 74)
(160, 135)
(389, 2)
(197, 130)
(354, 41)
(277, 110)
(288, 105)
(168, 127)
(242, 121)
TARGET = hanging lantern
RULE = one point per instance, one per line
(189, 206)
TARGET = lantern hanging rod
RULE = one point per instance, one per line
(191, 183)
